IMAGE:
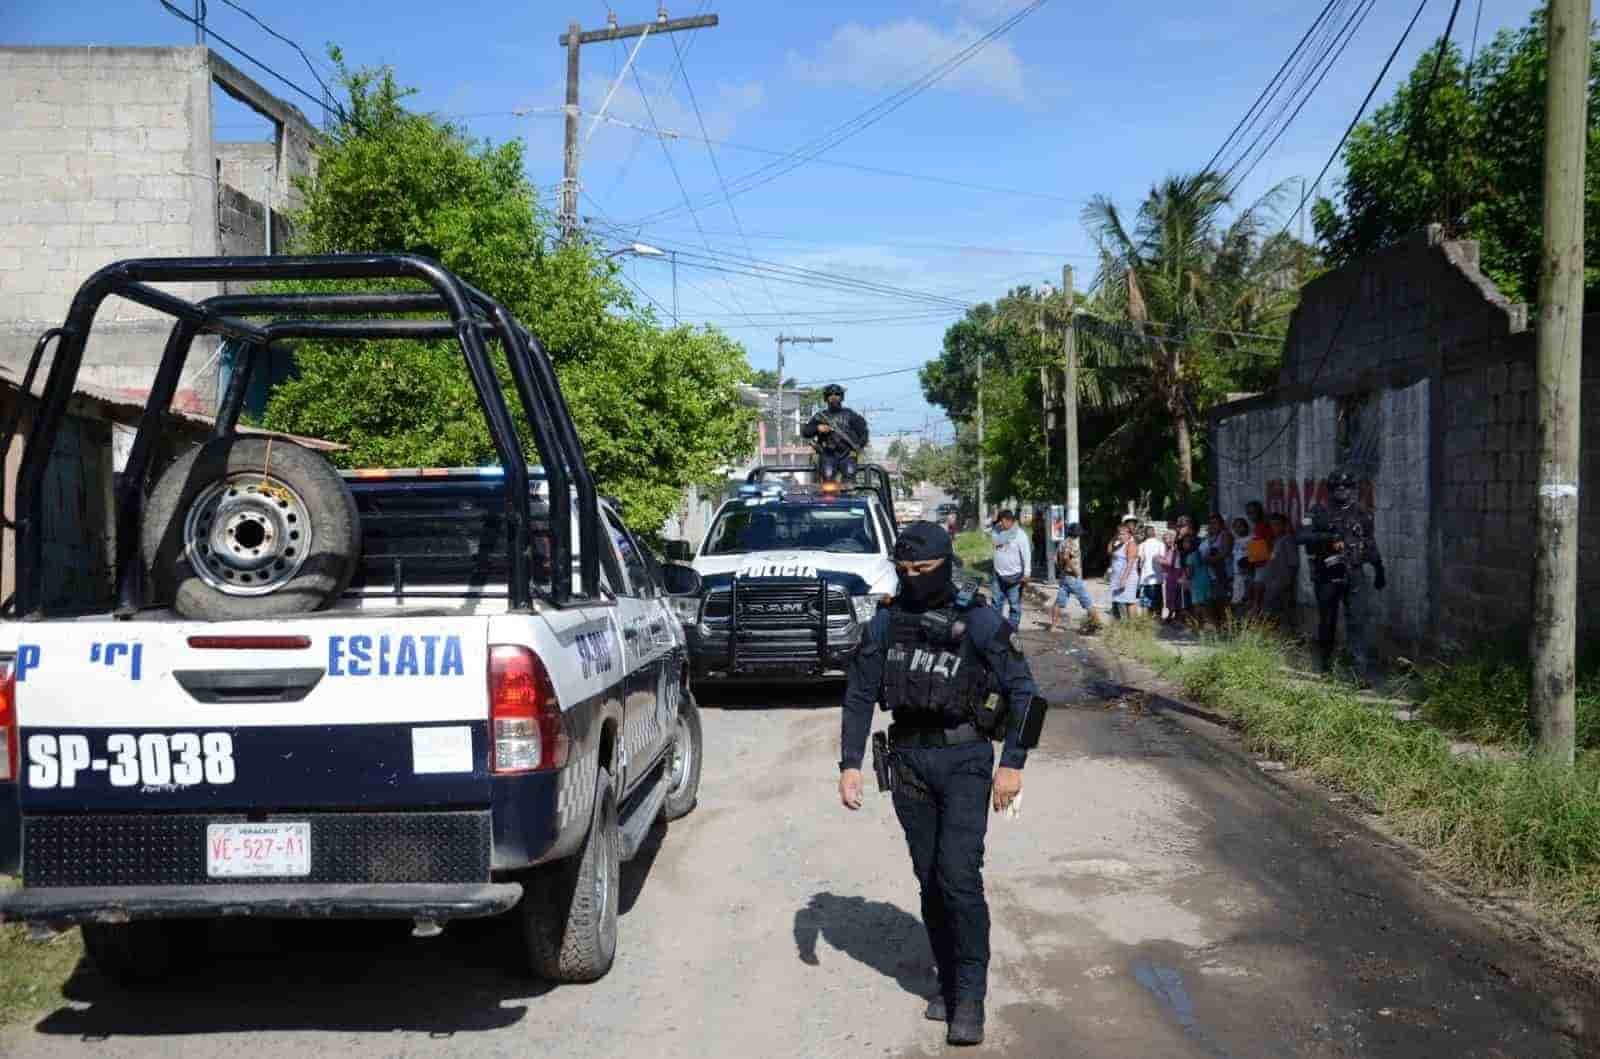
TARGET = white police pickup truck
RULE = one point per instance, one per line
(418, 695)
(791, 573)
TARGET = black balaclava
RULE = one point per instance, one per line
(919, 542)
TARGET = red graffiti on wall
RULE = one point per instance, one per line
(1294, 500)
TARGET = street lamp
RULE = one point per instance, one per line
(646, 250)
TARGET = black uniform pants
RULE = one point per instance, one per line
(837, 466)
(943, 806)
(1331, 596)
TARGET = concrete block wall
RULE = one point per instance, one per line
(107, 153)
(1393, 313)
(1453, 482)
(1402, 502)
(104, 153)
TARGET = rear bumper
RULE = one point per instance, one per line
(67, 905)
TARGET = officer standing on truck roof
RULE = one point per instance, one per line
(839, 434)
(943, 663)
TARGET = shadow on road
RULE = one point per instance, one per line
(349, 977)
(822, 694)
(887, 939)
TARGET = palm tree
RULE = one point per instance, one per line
(1187, 285)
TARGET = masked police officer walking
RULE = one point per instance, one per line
(943, 663)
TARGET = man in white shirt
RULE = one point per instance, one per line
(1150, 552)
(1013, 558)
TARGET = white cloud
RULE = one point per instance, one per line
(985, 9)
(875, 57)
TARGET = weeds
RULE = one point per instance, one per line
(32, 973)
(1499, 823)
(975, 552)
(1485, 697)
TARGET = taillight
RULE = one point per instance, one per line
(525, 727)
(8, 720)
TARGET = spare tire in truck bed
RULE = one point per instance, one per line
(250, 527)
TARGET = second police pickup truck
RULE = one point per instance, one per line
(791, 574)
(417, 695)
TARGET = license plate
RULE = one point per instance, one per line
(257, 850)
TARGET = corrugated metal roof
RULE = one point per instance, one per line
(125, 406)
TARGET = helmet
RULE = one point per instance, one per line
(831, 389)
(1341, 486)
(1341, 478)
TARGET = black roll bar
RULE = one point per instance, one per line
(532, 371)
(130, 279)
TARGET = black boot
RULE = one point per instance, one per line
(938, 1010)
(966, 1022)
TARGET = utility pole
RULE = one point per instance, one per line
(1555, 569)
(1069, 395)
(983, 508)
(572, 40)
(777, 419)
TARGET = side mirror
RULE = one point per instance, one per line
(678, 551)
(680, 580)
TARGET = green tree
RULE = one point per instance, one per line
(1473, 162)
(657, 410)
(1187, 287)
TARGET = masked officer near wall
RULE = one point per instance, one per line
(1340, 541)
(838, 433)
(943, 663)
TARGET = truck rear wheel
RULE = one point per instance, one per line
(683, 767)
(143, 952)
(250, 527)
(569, 909)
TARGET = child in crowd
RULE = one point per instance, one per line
(1243, 569)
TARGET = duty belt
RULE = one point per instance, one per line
(902, 735)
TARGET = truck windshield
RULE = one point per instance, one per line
(766, 525)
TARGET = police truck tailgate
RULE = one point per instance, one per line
(326, 713)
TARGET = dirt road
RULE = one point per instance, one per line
(1158, 897)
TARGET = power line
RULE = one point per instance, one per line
(1304, 67)
(1422, 107)
(970, 248)
(225, 42)
(1275, 78)
(286, 40)
(755, 267)
(858, 378)
(673, 165)
(716, 167)
(1355, 23)
(867, 118)
(666, 92)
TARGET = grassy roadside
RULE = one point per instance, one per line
(1497, 823)
(975, 552)
(33, 972)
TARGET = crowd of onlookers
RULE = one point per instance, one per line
(1242, 568)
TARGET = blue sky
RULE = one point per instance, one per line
(1077, 99)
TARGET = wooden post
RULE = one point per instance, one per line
(1553, 641)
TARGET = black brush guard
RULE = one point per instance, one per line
(818, 629)
(473, 318)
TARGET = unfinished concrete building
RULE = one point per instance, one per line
(111, 152)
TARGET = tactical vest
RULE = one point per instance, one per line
(932, 673)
